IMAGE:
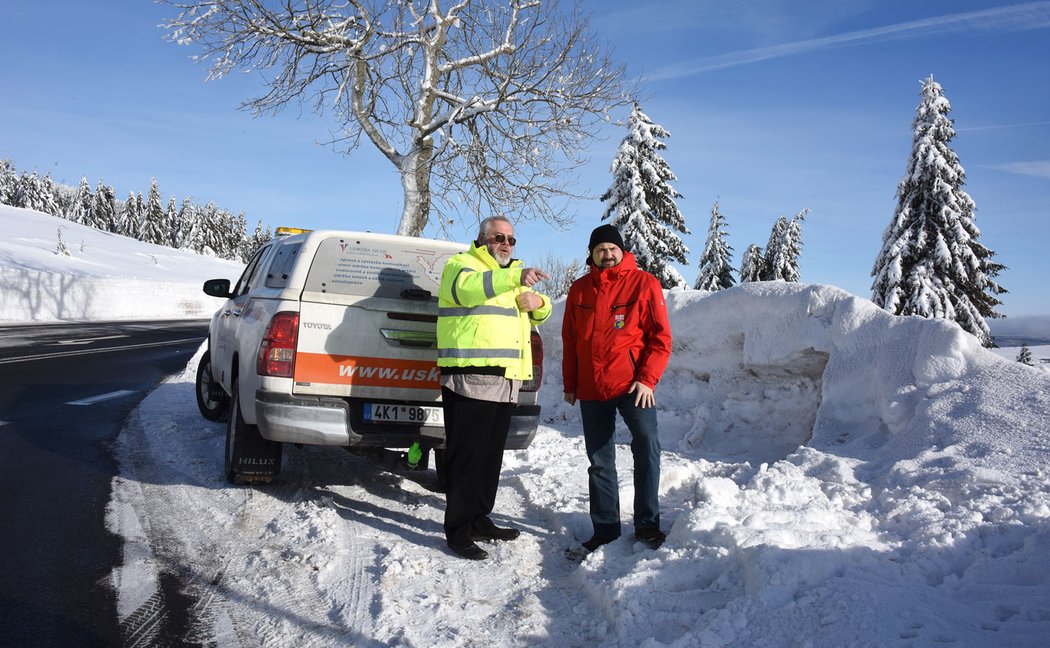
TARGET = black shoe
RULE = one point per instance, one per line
(493, 532)
(595, 542)
(651, 536)
(470, 551)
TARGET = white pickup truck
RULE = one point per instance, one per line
(329, 338)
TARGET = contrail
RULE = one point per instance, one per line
(1039, 169)
(1032, 15)
(998, 126)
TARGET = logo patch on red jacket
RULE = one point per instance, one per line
(618, 321)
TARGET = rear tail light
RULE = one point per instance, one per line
(277, 349)
(537, 364)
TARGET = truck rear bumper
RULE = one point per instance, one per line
(339, 422)
(310, 421)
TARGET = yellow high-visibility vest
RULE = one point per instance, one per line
(479, 323)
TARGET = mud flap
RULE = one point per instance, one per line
(249, 457)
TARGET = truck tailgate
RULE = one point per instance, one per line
(367, 351)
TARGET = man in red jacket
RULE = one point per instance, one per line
(617, 343)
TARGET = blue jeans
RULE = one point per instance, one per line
(599, 425)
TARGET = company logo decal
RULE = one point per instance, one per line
(370, 372)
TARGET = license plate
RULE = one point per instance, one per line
(415, 414)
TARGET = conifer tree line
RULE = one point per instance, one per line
(204, 229)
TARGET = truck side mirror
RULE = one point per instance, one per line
(218, 288)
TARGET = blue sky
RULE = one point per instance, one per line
(773, 106)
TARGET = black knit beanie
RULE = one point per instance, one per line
(605, 234)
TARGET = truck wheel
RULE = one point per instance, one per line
(249, 457)
(212, 401)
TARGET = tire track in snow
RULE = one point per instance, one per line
(207, 543)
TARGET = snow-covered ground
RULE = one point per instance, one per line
(832, 476)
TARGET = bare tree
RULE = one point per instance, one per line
(483, 106)
(562, 274)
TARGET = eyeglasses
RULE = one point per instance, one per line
(503, 238)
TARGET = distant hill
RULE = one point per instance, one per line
(1018, 340)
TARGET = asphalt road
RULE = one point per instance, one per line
(65, 391)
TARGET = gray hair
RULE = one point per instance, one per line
(483, 228)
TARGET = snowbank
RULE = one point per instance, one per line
(53, 269)
(832, 476)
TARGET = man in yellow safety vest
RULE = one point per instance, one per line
(486, 310)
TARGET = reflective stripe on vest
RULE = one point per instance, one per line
(477, 310)
(480, 353)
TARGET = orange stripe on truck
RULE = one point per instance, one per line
(370, 372)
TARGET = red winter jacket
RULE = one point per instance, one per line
(615, 331)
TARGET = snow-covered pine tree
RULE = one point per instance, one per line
(777, 237)
(785, 246)
(215, 229)
(49, 196)
(26, 189)
(1025, 355)
(82, 204)
(61, 247)
(155, 228)
(104, 211)
(241, 244)
(716, 273)
(259, 238)
(931, 262)
(174, 224)
(192, 228)
(8, 182)
(642, 201)
(130, 221)
(753, 264)
(36, 193)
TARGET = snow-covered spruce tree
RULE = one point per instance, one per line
(242, 245)
(642, 201)
(716, 273)
(104, 211)
(36, 193)
(83, 204)
(753, 264)
(185, 229)
(130, 220)
(1025, 355)
(776, 238)
(155, 228)
(193, 229)
(784, 248)
(61, 248)
(259, 238)
(931, 263)
(173, 223)
(8, 182)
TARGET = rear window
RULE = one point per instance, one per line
(369, 268)
(282, 264)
